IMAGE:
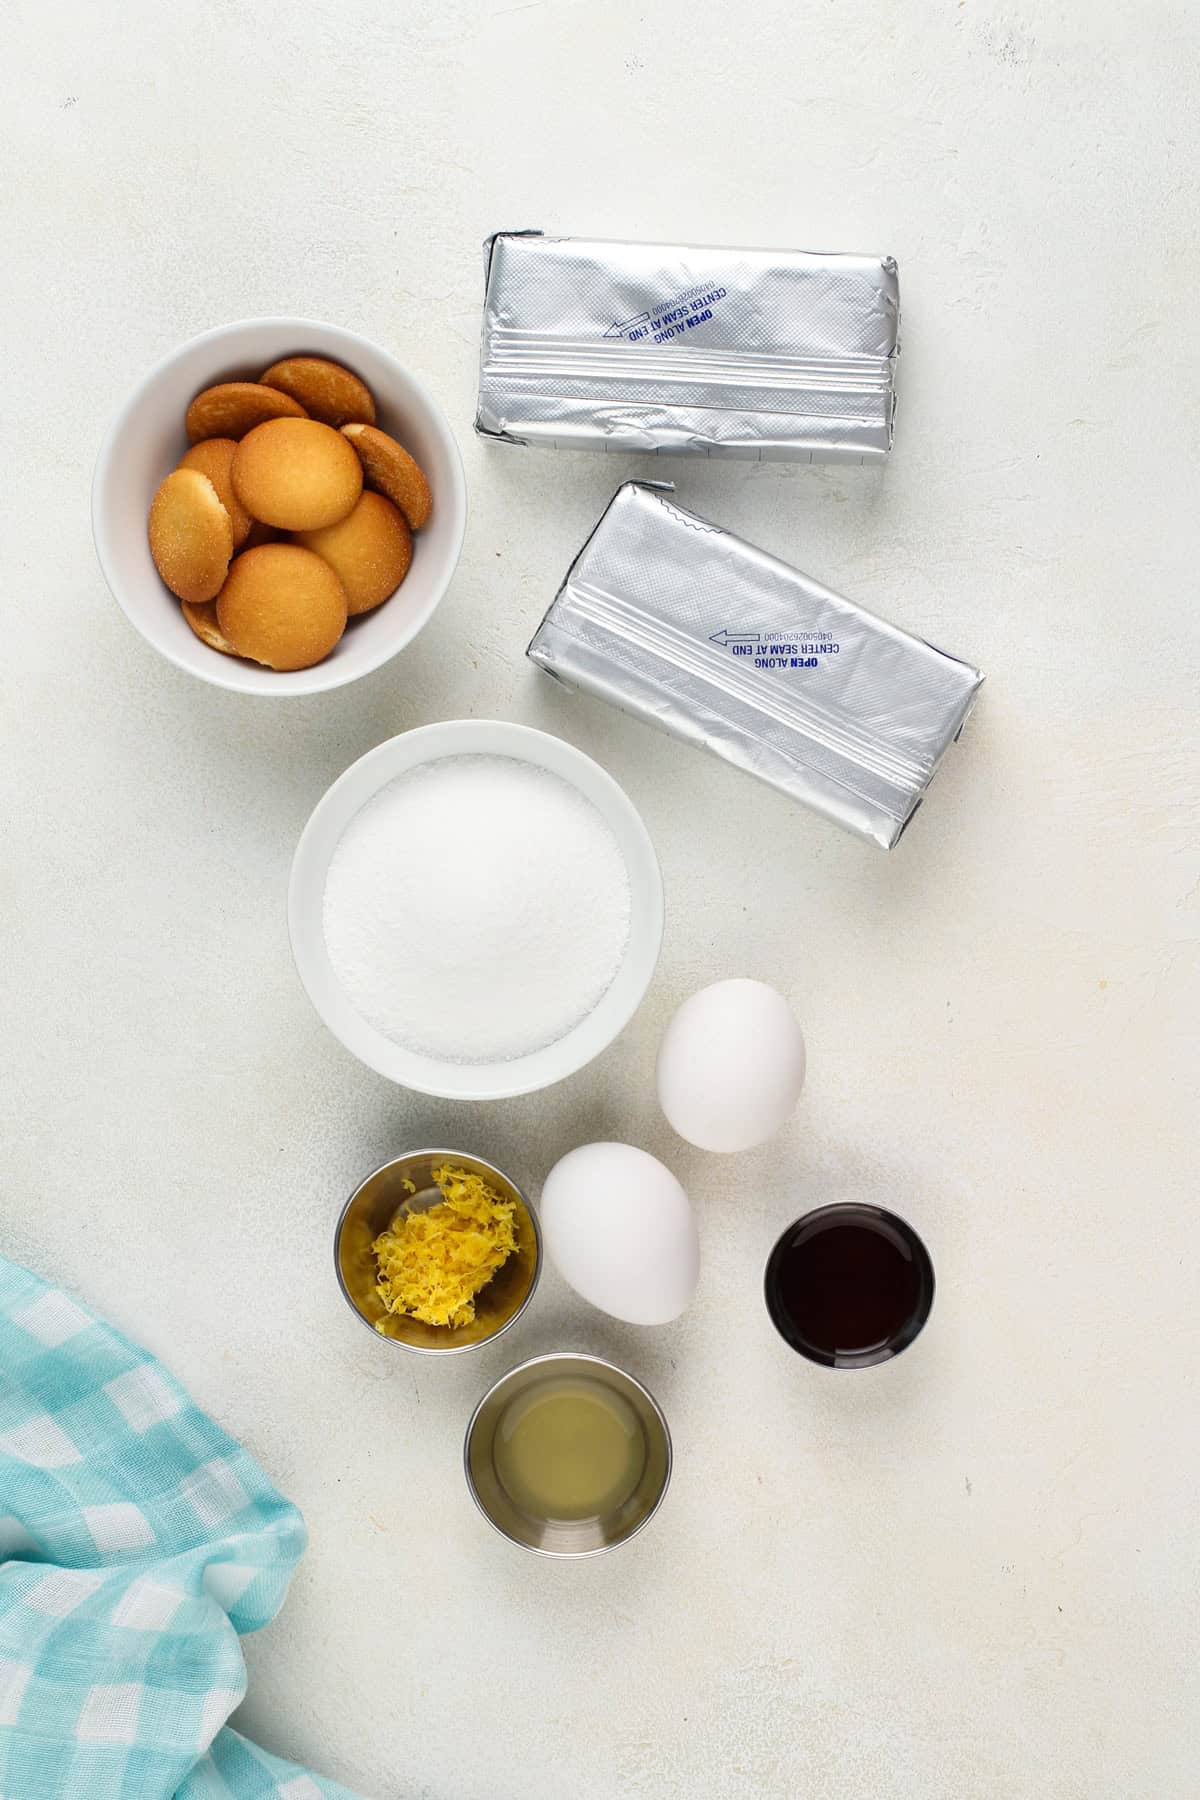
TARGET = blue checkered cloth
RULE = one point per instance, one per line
(137, 1541)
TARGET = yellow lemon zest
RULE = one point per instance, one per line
(433, 1264)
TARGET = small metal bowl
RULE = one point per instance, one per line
(374, 1205)
(566, 1537)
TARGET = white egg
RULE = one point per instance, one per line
(619, 1227)
(731, 1066)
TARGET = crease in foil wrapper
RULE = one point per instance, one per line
(767, 354)
(695, 630)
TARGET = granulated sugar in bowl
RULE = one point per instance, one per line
(475, 909)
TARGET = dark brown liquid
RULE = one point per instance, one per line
(849, 1283)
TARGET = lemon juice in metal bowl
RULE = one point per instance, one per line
(568, 1455)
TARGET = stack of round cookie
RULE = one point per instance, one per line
(291, 513)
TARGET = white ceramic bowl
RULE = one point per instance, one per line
(306, 894)
(147, 439)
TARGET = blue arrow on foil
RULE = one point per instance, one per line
(615, 331)
(735, 637)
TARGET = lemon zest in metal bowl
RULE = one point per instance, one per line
(433, 1264)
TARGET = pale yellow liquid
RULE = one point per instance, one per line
(569, 1448)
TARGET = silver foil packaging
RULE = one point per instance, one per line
(695, 630)
(765, 354)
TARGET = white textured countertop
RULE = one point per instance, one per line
(971, 1576)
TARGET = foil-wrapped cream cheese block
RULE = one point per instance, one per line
(779, 354)
(691, 628)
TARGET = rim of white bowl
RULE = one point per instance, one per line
(326, 676)
(306, 891)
